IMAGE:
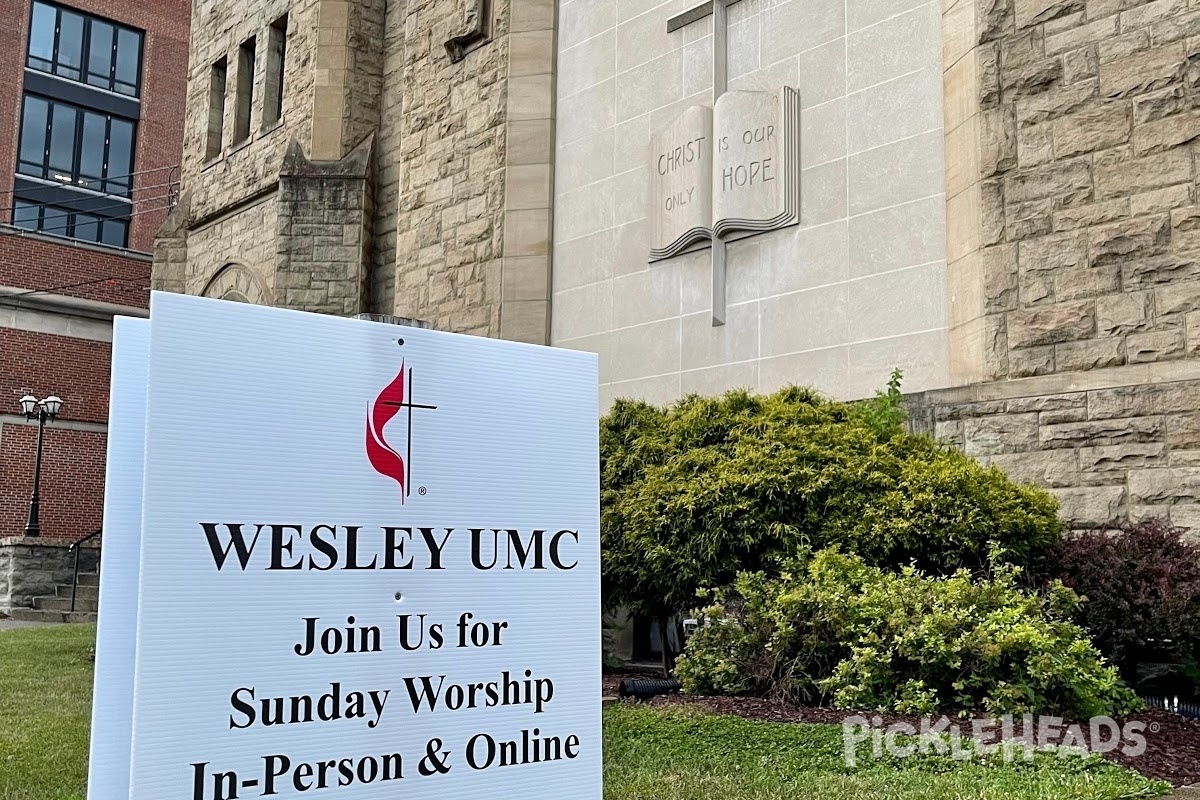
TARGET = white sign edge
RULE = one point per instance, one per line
(120, 564)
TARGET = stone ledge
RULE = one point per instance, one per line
(41, 541)
(1107, 378)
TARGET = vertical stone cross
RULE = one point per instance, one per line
(719, 9)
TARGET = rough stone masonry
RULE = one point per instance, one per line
(1075, 277)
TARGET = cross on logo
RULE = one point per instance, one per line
(384, 458)
(409, 405)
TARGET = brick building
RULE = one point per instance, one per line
(88, 171)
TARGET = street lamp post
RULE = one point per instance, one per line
(44, 411)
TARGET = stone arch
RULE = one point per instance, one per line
(236, 282)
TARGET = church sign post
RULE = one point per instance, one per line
(725, 172)
(388, 586)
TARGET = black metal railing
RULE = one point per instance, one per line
(1174, 705)
(75, 549)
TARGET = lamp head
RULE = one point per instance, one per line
(52, 405)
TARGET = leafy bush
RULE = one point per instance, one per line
(833, 629)
(695, 493)
(1142, 589)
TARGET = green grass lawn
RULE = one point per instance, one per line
(45, 711)
(650, 753)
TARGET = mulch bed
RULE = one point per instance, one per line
(1172, 742)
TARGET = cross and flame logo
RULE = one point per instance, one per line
(386, 459)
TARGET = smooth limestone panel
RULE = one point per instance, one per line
(824, 370)
(922, 356)
(823, 133)
(718, 380)
(807, 320)
(823, 73)
(580, 20)
(863, 13)
(899, 236)
(647, 296)
(897, 173)
(901, 107)
(909, 300)
(893, 47)
(705, 346)
(857, 288)
(659, 390)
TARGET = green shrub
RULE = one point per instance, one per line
(693, 494)
(832, 629)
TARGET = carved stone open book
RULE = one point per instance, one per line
(726, 172)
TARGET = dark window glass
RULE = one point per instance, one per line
(34, 125)
(86, 227)
(26, 215)
(120, 157)
(61, 162)
(216, 109)
(91, 149)
(70, 45)
(58, 221)
(129, 62)
(276, 66)
(84, 48)
(55, 221)
(100, 54)
(245, 91)
(63, 143)
(116, 232)
(41, 37)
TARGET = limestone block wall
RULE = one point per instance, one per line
(466, 170)
(449, 241)
(32, 568)
(243, 242)
(1111, 444)
(245, 169)
(1072, 218)
(323, 240)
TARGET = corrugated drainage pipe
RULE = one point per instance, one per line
(645, 689)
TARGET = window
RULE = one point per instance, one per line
(75, 224)
(85, 49)
(77, 139)
(245, 91)
(75, 146)
(216, 108)
(276, 62)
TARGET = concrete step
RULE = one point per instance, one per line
(87, 604)
(81, 591)
(37, 615)
(89, 579)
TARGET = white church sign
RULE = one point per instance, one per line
(369, 563)
(726, 172)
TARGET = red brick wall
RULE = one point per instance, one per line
(77, 370)
(164, 89)
(40, 262)
(72, 480)
(42, 364)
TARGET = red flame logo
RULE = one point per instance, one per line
(383, 456)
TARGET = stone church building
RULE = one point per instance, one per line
(999, 197)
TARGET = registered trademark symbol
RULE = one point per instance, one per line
(1154, 727)
(422, 491)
